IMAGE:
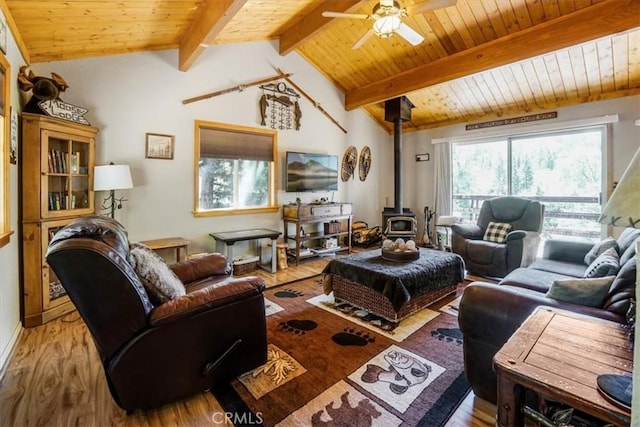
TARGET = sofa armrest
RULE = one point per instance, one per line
(198, 268)
(468, 231)
(566, 250)
(206, 299)
(479, 317)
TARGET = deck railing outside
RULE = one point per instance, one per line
(564, 217)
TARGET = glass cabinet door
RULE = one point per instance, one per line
(53, 294)
(66, 174)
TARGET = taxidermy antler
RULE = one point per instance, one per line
(43, 87)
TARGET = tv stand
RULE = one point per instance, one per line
(303, 215)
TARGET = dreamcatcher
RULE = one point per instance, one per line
(364, 163)
(349, 161)
(280, 107)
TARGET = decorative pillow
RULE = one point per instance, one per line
(497, 232)
(157, 278)
(607, 264)
(599, 248)
(591, 292)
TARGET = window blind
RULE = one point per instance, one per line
(226, 144)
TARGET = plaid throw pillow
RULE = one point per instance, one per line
(497, 232)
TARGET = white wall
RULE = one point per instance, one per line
(9, 255)
(419, 191)
(129, 95)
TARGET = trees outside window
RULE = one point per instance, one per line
(235, 169)
(563, 170)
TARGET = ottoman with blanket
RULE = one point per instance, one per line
(393, 290)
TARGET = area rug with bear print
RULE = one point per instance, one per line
(334, 365)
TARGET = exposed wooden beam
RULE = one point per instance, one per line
(601, 19)
(313, 22)
(210, 22)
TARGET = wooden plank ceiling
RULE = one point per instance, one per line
(480, 59)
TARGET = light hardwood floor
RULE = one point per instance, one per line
(55, 378)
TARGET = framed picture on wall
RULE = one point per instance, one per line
(159, 146)
(13, 150)
(3, 36)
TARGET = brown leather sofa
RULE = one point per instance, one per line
(490, 313)
(154, 355)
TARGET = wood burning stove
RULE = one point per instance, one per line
(398, 221)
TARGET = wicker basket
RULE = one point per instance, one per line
(366, 298)
(245, 266)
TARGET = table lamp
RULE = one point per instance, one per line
(110, 178)
(623, 210)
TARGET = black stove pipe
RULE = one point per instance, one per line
(397, 165)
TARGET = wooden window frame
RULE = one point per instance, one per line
(271, 207)
(5, 142)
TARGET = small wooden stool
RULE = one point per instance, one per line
(282, 255)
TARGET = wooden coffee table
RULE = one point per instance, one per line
(558, 355)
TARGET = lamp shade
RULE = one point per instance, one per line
(623, 208)
(112, 177)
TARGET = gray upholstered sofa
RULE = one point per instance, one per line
(490, 313)
(488, 256)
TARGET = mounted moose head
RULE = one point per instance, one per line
(43, 88)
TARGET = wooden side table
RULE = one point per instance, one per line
(558, 355)
(176, 243)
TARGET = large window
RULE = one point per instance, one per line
(235, 169)
(563, 170)
(5, 73)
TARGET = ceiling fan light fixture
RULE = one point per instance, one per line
(385, 26)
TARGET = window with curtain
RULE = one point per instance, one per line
(5, 138)
(235, 169)
(563, 170)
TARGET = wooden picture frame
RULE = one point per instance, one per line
(3, 36)
(159, 146)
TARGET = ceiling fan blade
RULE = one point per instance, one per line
(428, 5)
(409, 34)
(362, 40)
(344, 15)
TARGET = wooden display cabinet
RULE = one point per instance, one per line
(57, 187)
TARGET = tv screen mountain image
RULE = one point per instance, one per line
(311, 172)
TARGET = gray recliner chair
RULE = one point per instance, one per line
(494, 259)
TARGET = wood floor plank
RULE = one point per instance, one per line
(55, 378)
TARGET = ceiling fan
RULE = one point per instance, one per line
(387, 16)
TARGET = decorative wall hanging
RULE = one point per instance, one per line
(349, 161)
(280, 107)
(364, 163)
(45, 98)
(512, 121)
(315, 104)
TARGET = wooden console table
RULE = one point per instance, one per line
(176, 243)
(558, 355)
(312, 214)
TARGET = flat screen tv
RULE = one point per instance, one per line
(311, 172)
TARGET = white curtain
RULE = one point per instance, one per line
(442, 183)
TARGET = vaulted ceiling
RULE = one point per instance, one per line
(480, 59)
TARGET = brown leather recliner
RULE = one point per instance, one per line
(154, 355)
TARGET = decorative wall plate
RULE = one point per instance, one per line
(364, 164)
(349, 161)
